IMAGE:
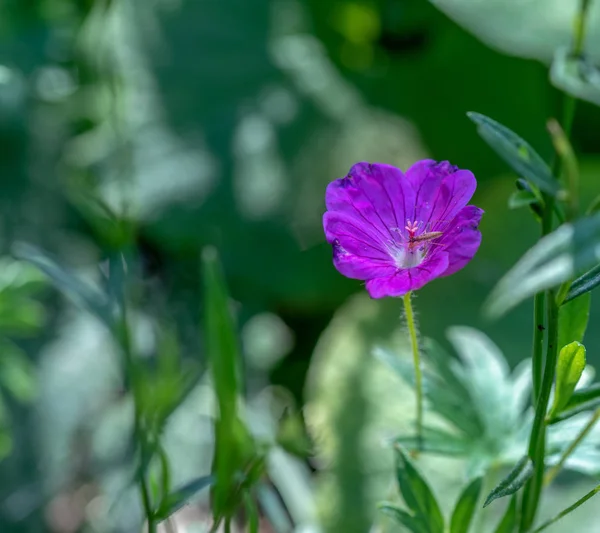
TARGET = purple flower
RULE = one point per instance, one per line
(399, 231)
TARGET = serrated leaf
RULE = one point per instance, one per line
(486, 376)
(433, 440)
(571, 362)
(417, 495)
(557, 257)
(583, 284)
(516, 152)
(576, 76)
(508, 524)
(573, 320)
(405, 519)
(515, 479)
(180, 497)
(463, 513)
(80, 292)
(444, 400)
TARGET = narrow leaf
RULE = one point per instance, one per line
(569, 509)
(405, 519)
(437, 441)
(251, 513)
(463, 513)
(558, 257)
(222, 351)
(417, 494)
(516, 152)
(583, 284)
(180, 497)
(516, 478)
(571, 362)
(81, 293)
(508, 524)
(521, 199)
(573, 320)
(586, 399)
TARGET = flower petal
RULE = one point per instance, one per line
(356, 238)
(453, 194)
(426, 177)
(358, 267)
(462, 241)
(410, 279)
(374, 194)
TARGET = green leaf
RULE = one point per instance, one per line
(417, 494)
(80, 292)
(413, 524)
(585, 395)
(444, 400)
(508, 524)
(585, 399)
(515, 479)
(515, 151)
(576, 76)
(232, 441)
(486, 375)
(17, 374)
(20, 279)
(557, 257)
(573, 320)
(583, 284)
(464, 510)
(180, 497)
(521, 199)
(571, 362)
(436, 441)
(251, 513)
(22, 317)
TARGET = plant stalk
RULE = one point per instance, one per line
(552, 473)
(568, 510)
(537, 441)
(124, 338)
(412, 329)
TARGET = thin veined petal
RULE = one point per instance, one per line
(357, 267)
(426, 177)
(463, 240)
(375, 194)
(356, 238)
(453, 194)
(412, 279)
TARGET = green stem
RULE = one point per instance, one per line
(410, 320)
(122, 328)
(228, 525)
(537, 440)
(572, 447)
(568, 510)
(539, 302)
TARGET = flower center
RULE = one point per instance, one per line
(413, 244)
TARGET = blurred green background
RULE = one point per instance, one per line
(221, 122)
